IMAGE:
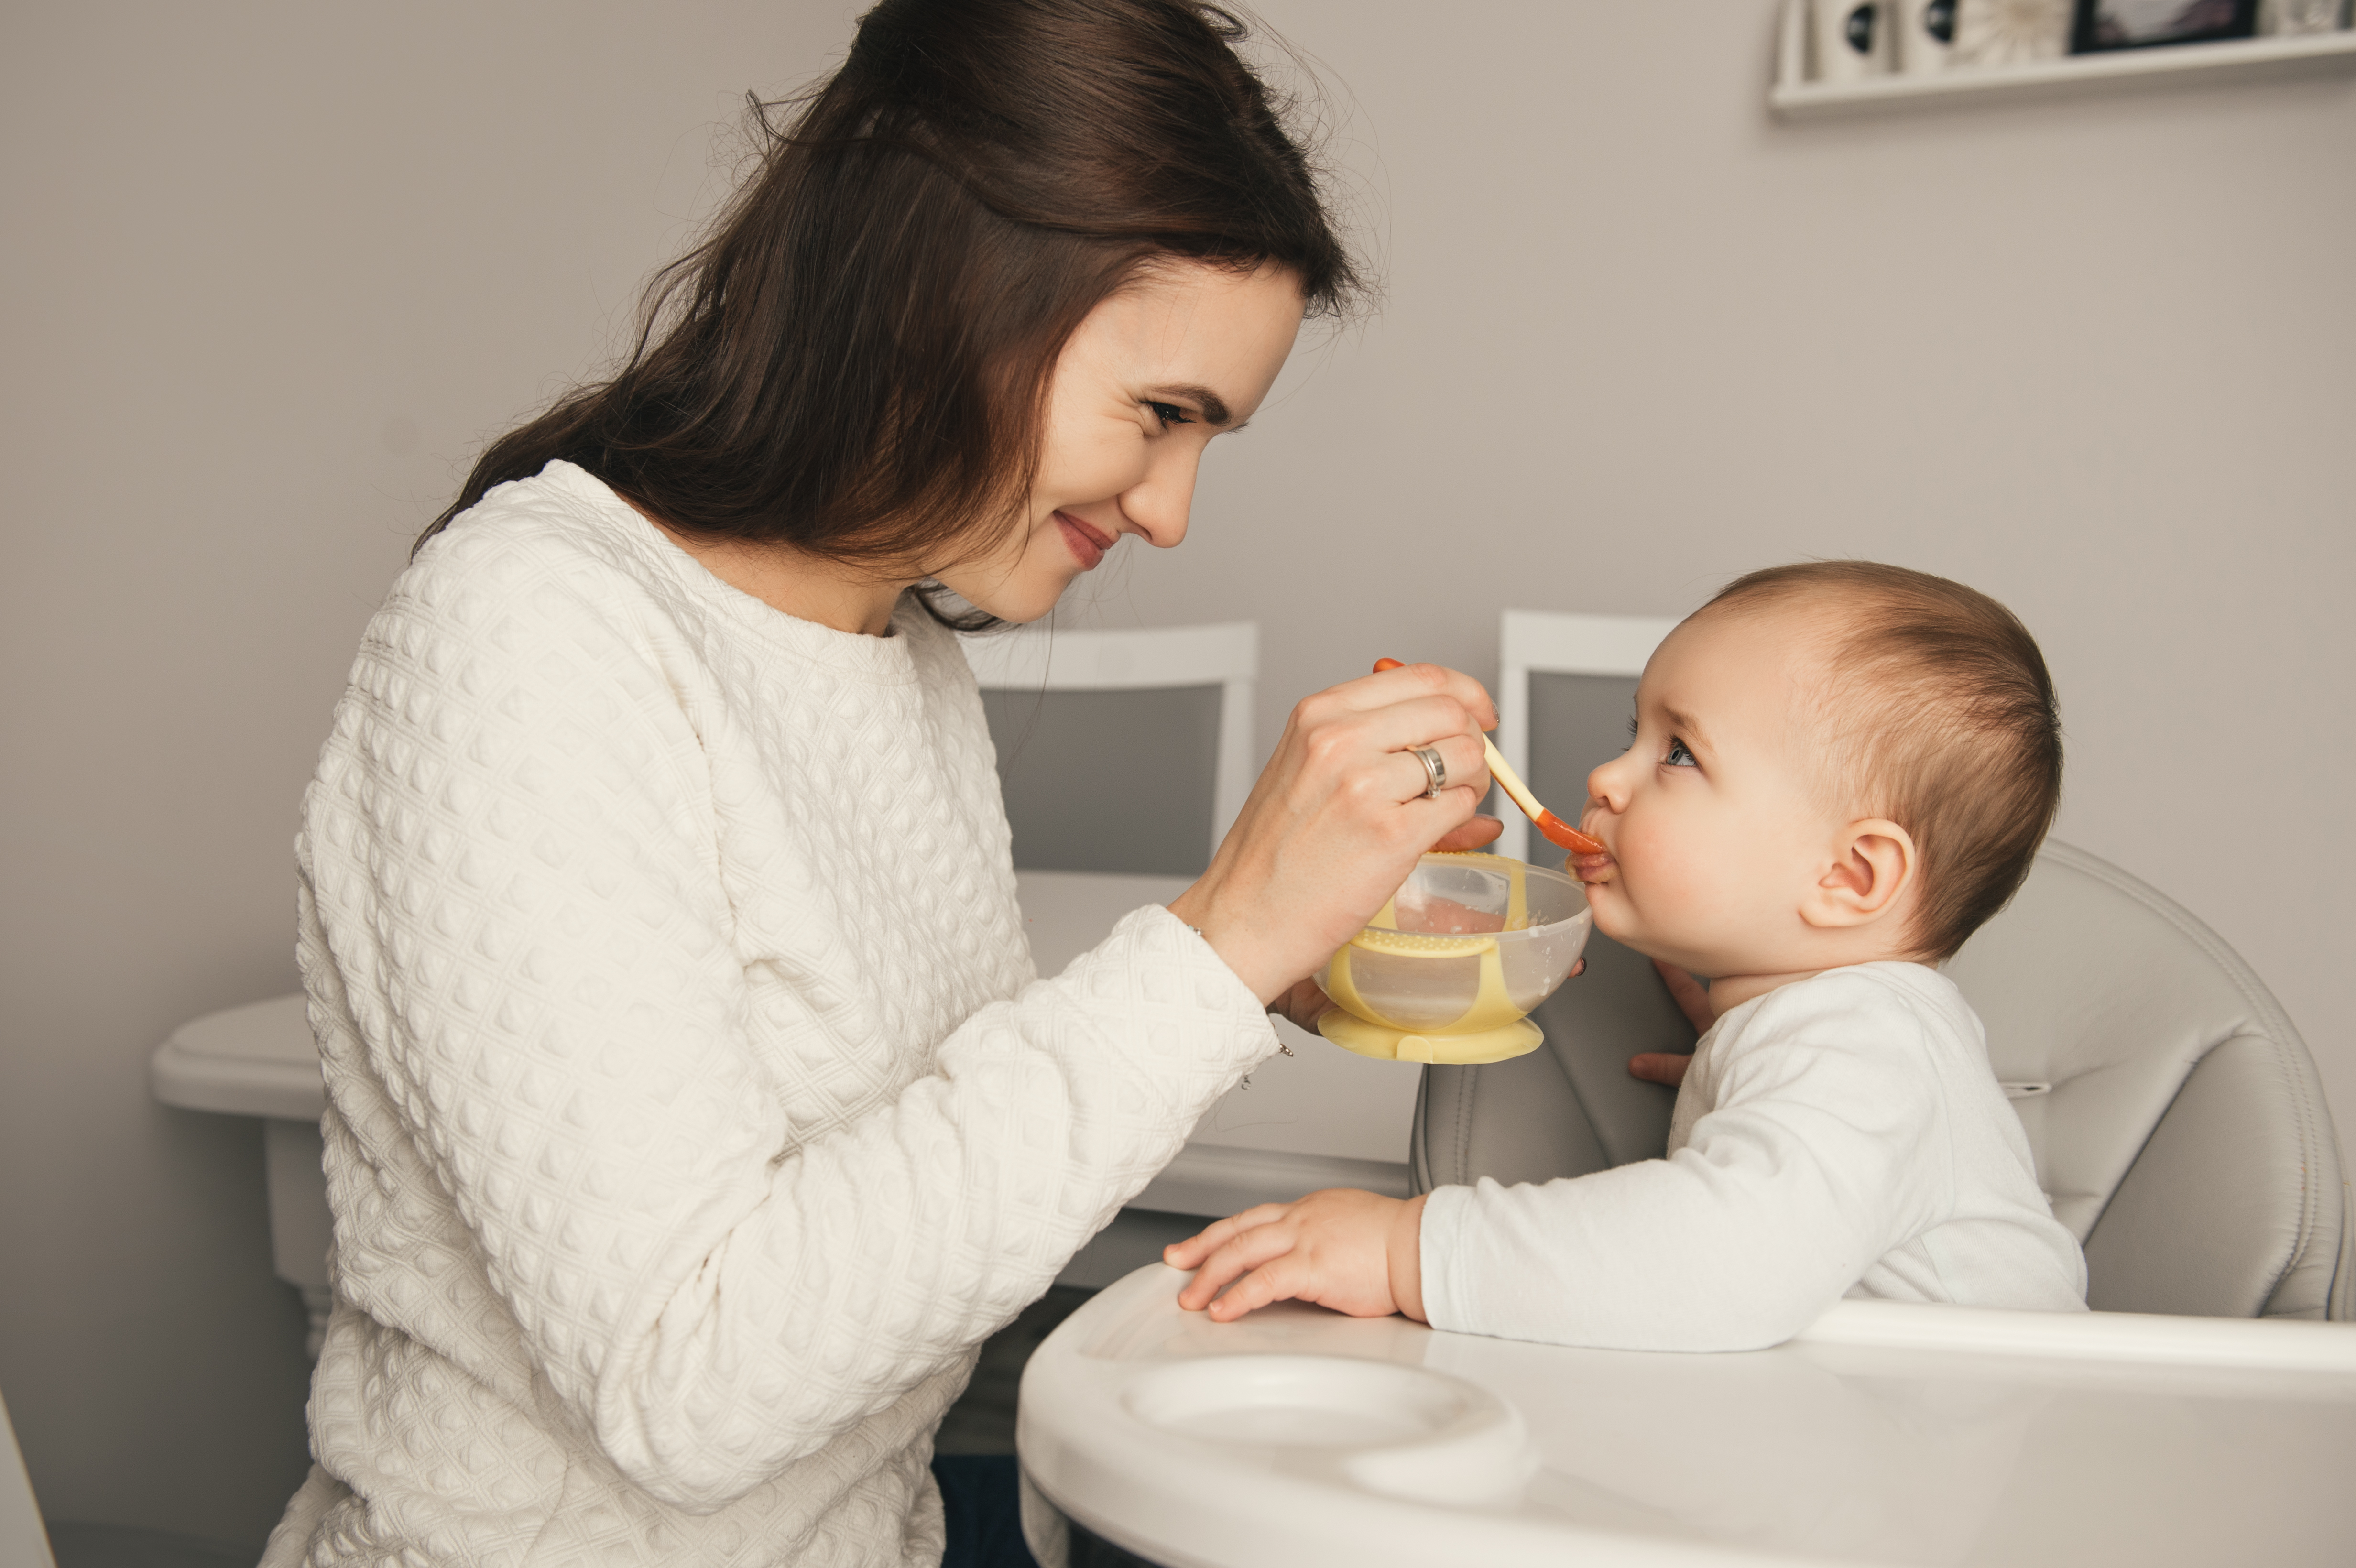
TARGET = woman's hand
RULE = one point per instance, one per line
(1337, 821)
(1303, 1002)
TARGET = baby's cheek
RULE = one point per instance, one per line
(1665, 874)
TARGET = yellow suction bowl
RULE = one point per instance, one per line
(1455, 962)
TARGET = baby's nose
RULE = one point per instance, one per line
(1604, 786)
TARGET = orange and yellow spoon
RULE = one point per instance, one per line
(1555, 829)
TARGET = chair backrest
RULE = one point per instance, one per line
(24, 1543)
(2178, 1122)
(1121, 751)
(1566, 688)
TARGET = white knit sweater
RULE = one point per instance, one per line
(693, 1109)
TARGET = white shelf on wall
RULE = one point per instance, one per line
(1794, 97)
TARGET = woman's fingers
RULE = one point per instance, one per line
(1304, 1004)
(1385, 687)
(1420, 721)
(1463, 764)
(1470, 835)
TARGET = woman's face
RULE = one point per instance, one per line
(1181, 354)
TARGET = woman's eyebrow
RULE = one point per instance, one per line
(1214, 407)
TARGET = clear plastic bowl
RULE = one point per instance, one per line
(1448, 969)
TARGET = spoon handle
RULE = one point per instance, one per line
(1510, 782)
(1559, 832)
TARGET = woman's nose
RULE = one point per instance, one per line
(1159, 503)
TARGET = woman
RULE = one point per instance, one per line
(694, 1111)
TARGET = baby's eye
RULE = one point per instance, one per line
(1168, 413)
(1678, 756)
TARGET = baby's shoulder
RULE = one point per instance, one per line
(1879, 1019)
(1883, 994)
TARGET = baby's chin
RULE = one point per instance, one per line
(1604, 902)
(1615, 919)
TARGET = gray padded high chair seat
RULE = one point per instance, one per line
(2177, 1120)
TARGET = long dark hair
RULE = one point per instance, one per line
(855, 360)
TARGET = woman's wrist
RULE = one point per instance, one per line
(1404, 1251)
(1197, 910)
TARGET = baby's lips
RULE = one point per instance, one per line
(1589, 867)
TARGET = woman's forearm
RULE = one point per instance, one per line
(878, 1255)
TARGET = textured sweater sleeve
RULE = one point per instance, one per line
(510, 858)
(1823, 1151)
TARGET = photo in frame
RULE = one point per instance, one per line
(2103, 25)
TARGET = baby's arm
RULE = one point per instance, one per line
(1824, 1150)
(1355, 1252)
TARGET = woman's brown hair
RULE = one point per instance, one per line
(855, 361)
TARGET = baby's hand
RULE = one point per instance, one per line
(1693, 1000)
(1663, 1067)
(1355, 1252)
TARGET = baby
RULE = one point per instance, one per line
(1840, 771)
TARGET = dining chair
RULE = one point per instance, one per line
(1121, 751)
(24, 1543)
(1565, 688)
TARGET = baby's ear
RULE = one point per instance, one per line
(1871, 868)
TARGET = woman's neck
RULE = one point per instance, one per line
(805, 586)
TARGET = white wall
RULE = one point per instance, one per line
(275, 270)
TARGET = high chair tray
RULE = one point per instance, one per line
(1884, 1434)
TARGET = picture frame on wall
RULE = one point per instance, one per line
(2101, 26)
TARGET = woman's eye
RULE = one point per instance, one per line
(1168, 413)
(1678, 756)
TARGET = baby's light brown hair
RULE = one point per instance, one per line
(1940, 717)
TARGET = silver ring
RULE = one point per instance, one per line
(1435, 768)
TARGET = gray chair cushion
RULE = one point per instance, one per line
(1151, 757)
(2176, 1118)
(1568, 1107)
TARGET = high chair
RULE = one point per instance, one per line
(2178, 1124)
(2191, 1418)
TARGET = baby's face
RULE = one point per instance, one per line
(1715, 829)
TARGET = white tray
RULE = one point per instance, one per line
(1884, 1434)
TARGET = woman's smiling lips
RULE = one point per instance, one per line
(1088, 545)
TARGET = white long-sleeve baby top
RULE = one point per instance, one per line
(1842, 1135)
(694, 1110)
